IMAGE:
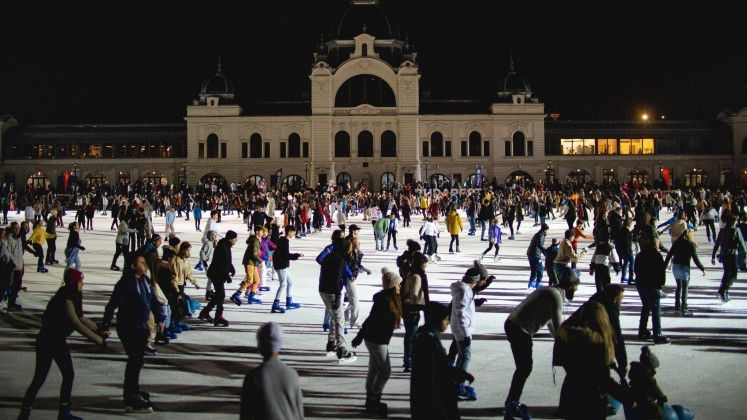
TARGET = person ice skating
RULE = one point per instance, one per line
(414, 294)
(433, 389)
(650, 273)
(14, 266)
(272, 390)
(122, 243)
(170, 219)
(543, 307)
(535, 251)
(220, 272)
(64, 314)
(454, 226)
(333, 269)
(601, 260)
(51, 258)
(134, 299)
(683, 250)
(651, 402)
(730, 242)
(462, 314)
(251, 263)
(74, 246)
(391, 234)
(376, 332)
(381, 227)
(38, 236)
(430, 232)
(354, 258)
(281, 260)
(495, 238)
(197, 214)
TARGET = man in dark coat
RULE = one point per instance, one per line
(433, 389)
(220, 272)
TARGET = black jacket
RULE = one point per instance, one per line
(259, 218)
(282, 256)
(433, 391)
(379, 326)
(681, 252)
(650, 271)
(221, 268)
(332, 271)
(135, 299)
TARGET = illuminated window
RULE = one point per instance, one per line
(578, 146)
(625, 146)
(95, 151)
(607, 146)
(648, 146)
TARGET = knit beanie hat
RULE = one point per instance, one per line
(475, 273)
(73, 277)
(648, 358)
(389, 278)
(270, 338)
(231, 234)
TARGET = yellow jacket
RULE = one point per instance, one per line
(454, 223)
(39, 235)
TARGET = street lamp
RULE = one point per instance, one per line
(306, 165)
(644, 117)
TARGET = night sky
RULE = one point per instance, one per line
(135, 63)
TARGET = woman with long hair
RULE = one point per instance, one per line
(682, 251)
(64, 314)
(354, 261)
(73, 246)
(377, 330)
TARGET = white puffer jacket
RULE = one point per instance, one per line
(462, 310)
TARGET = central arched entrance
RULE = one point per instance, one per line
(387, 180)
(519, 177)
(294, 183)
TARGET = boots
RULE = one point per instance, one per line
(252, 300)
(205, 315)
(65, 414)
(235, 298)
(220, 322)
(290, 305)
(376, 407)
(276, 307)
(198, 267)
(40, 269)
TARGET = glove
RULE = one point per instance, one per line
(368, 271)
(357, 341)
(480, 301)
(82, 248)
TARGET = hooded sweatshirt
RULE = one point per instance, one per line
(462, 310)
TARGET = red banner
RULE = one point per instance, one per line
(667, 176)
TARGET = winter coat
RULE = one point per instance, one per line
(123, 233)
(462, 310)
(206, 252)
(379, 326)
(650, 271)
(64, 315)
(645, 391)
(252, 253)
(381, 227)
(537, 245)
(454, 223)
(134, 299)
(15, 250)
(495, 234)
(282, 256)
(433, 391)
(332, 272)
(221, 268)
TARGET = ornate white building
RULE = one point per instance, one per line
(365, 119)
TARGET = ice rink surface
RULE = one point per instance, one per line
(199, 375)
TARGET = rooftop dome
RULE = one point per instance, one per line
(217, 84)
(364, 16)
(514, 83)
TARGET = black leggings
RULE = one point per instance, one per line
(521, 347)
(391, 235)
(491, 246)
(219, 296)
(48, 349)
(134, 342)
(197, 223)
(39, 254)
(710, 229)
(51, 249)
(454, 238)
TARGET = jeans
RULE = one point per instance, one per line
(411, 319)
(133, 341)
(472, 228)
(628, 266)
(650, 304)
(680, 294)
(48, 349)
(286, 283)
(710, 226)
(535, 263)
(391, 235)
(379, 368)
(351, 311)
(454, 238)
(521, 348)
(482, 230)
(337, 320)
(379, 240)
(465, 354)
(431, 245)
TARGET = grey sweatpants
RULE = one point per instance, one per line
(379, 368)
(351, 311)
(337, 320)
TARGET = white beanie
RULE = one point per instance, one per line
(270, 338)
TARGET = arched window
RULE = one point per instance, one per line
(608, 176)
(255, 146)
(438, 180)
(387, 180)
(388, 144)
(294, 145)
(213, 178)
(578, 177)
(518, 144)
(519, 177)
(475, 144)
(437, 144)
(696, 177)
(254, 180)
(638, 176)
(38, 180)
(344, 178)
(212, 146)
(365, 144)
(365, 89)
(294, 183)
(474, 181)
(342, 144)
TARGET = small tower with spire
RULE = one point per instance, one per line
(216, 96)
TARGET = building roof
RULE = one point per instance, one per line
(111, 133)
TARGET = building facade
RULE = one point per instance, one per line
(366, 120)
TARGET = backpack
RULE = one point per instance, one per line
(412, 291)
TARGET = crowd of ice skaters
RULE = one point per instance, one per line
(622, 230)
